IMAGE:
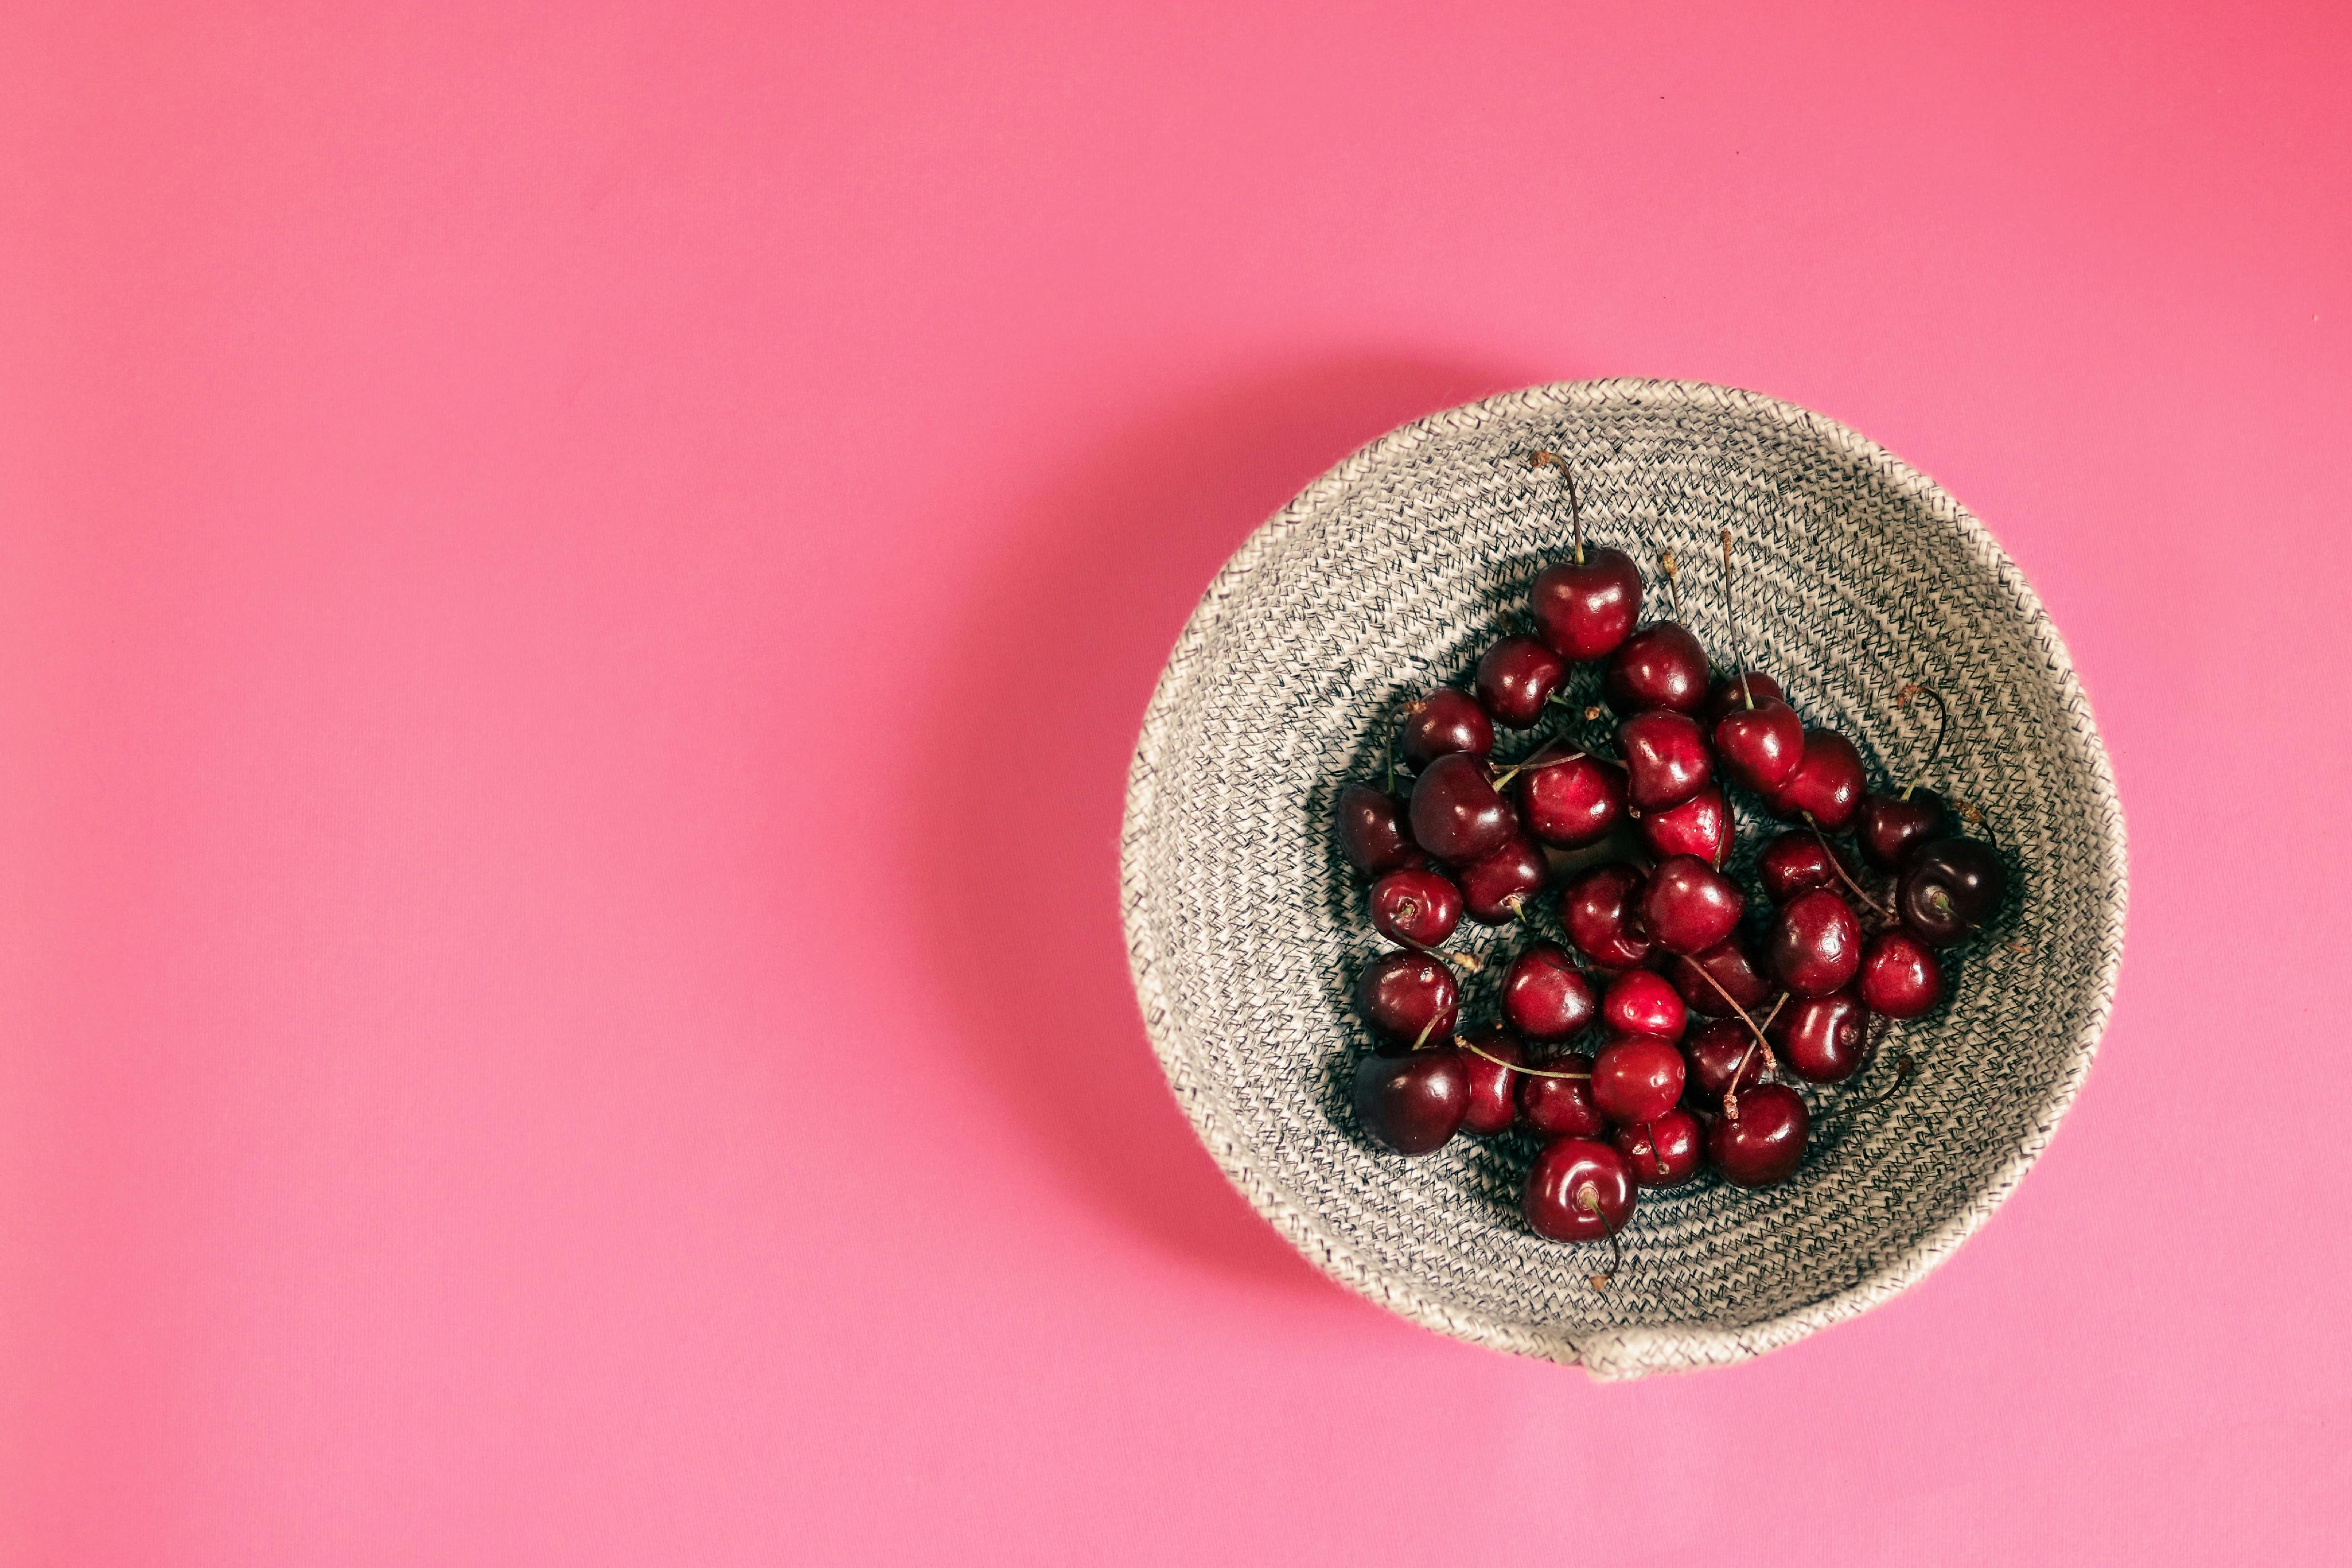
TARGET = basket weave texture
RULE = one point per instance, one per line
(1387, 576)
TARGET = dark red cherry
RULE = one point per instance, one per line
(1573, 803)
(1557, 1106)
(1688, 906)
(1406, 997)
(1760, 747)
(1734, 967)
(1712, 1054)
(1370, 828)
(1826, 786)
(1456, 815)
(1700, 826)
(1640, 1001)
(1495, 887)
(1516, 678)
(1666, 758)
(1900, 976)
(1658, 666)
(1586, 609)
(1414, 1103)
(1601, 912)
(1815, 945)
(1579, 1190)
(1663, 1152)
(1889, 827)
(1949, 890)
(1763, 1144)
(1418, 908)
(1728, 695)
(1637, 1078)
(1822, 1040)
(1443, 723)
(1494, 1086)
(1795, 862)
(1546, 996)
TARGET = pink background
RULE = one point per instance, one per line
(575, 589)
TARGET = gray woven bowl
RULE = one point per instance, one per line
(1387, 575)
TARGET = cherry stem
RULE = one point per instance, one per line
(1838, 866)
(1422, 1037)
(1674, 581)
(1534, 760)
(1516, 1067)
(1575, 511)
(1731, 613)
(1468, 963)
(1731, 1091)
(1588, 1201)
(1752, 1027)
(1650, 1131)
(1942, 727)
(1902, 1068)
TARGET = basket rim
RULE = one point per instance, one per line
(1631, 1352)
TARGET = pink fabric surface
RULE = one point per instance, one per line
(576, 586)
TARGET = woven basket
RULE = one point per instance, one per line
(1389, 575)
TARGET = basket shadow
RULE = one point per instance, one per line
(1025, 936)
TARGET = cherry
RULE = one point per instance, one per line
(1545, 995)
(1658, 666)
(1827, 784)
(1371, 831)
(1700, 826)
(1900, 976)
(1889, 827)
(1412, 1104)
(1601, 912)
(1949, 890)
(1663, 1152)
(1823, 1040)
(1729, 694)
(1713, 1054)
(1586, 608)
(1762, 746)
(1495, 887)
(1417, 908)
(1442, 724)
(1763, 1144)
(1557, 1106)
(1516, 678)
(1456, 815)
(1579, 1190)
(1637, 1078)
(1815, 944)
(1733, 966)
(1796, 861)
(1689, 906)
(1575, 802)
(1494, 1086)
(1666, 758)
(1407, 997)
(1640, 1001)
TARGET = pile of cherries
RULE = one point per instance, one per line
(1641, 839)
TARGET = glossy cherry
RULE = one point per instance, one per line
(1688, 906)
(1728, 695)
(1418, 908)
(1640, 1001)
(1764, 1142)
(1712, 1054)
(1579, 1190)
(1827, 784)
(1815, 943)
(1442, 724)
(1658, 666)
(1573, 803)
(1370, 828)
(1494, 1083)
(1666, 758)
(1455, 814)
(1700, 826)
(1762, 746)
(1546, 996)
(1889, 827)
(1900, 975)
(1795, 862)
(1735, 970)
(1585, 609)
(1497, 885)
(1561, 1106)
(1637, 1078)
(1949, 890)
(1663, 1153)
(1822, 1040)
(1516, 678)
(1414, 1103)
(1406, 997)
(1601, 912)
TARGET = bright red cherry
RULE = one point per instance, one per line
(1827, 784)
(1689, 906)
(1601, 912)
(1666, 758)
(1556, 1102)
(1370, 828)
(1494, 1083)
(1546, 996)
(1949, 890)
(1900, 976)
(1735, 970)
(1585, 609)
(1496, 885)
(1640, 1001)
(1637, 1078)
(1700, 826)
(1728, 695)
(1764, 1142)
(1418, 908)
(1795, 862)
(1713, 1054)
(1407, 997)
(1516, 678)
(1658, 666)
(1412, 1104)
(1573, 803)
(1442, 724)
(1889, 827)
(1456, 815)
(1762, 746)
(1815, 945)
(1823, 1040)
(1579, 1190)
(1663, 1152)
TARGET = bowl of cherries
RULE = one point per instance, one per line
(1623, 873)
